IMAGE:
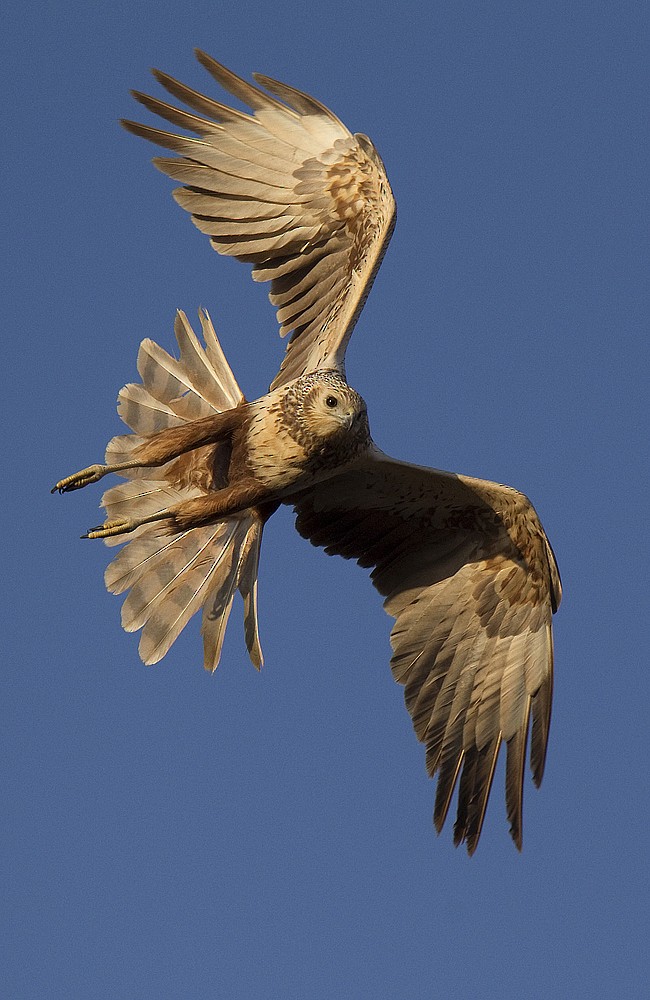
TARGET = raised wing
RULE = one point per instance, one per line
(288, 189)
(469, 576)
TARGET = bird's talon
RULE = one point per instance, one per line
(119, 526)
(80, 479)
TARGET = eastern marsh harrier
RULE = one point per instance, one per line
(464, 565)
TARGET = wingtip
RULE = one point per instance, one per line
(471, 844)
(206, 60)
(461, 836)
(537, 770)
(129, 125)
(145, 99)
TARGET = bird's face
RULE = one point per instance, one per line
(325, 416)
(334, 410)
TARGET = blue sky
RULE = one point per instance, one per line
(175, 834)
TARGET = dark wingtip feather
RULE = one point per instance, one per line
(515, 770)
(135, 128)
(466, 793)
(541, 710)
(471, 844)
(447, 778)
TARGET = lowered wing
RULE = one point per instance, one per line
(468, 574)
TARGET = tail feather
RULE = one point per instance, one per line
(119, 450)
(248, 590)
(193, 385)
(148, 496)
(213, 629)
(217, 359)
(219, 601)
(138, 408)
(167, 613)
(200, 370)
(136, 559)
(171, 576)
(174, 570)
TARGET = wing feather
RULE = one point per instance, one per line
(474, 794)
(287, 188)
(515, 765)
(463, 565)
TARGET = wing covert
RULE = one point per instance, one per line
(463, 567)
(288, 189)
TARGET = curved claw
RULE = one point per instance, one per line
(122, 525)
(119, 526)
(80, 479)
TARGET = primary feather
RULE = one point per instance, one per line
(463, 565)
(288, 189)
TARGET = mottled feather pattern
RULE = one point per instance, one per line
(463, 565)
(471, 640)
(288, 189)
(171, 577)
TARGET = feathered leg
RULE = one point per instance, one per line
(196, 512)
(170, 575)
(159, 448)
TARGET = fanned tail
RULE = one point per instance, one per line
(171, 576)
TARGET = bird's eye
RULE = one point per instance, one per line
(331, 401)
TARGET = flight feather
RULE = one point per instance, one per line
(463, 565)
(288, 189)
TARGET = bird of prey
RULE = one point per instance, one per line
(464, 565)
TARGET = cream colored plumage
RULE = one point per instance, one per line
(464, 565)
(290, 190)
(173, 577)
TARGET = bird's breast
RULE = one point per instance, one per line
(273, 457)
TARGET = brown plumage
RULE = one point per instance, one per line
(464, 565)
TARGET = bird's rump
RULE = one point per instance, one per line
(289, 189)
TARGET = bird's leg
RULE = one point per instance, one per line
(90, 475)
(157, 449)
(123, 525)
(194, 513)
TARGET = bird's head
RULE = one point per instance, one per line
(326, 409)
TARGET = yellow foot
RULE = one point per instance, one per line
(119, 526)
(122, 525)
(90, 475)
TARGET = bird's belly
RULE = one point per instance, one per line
(276, 460)
(279, 477)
